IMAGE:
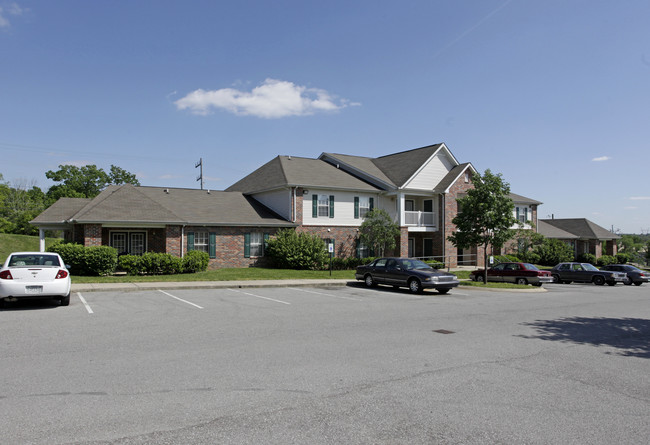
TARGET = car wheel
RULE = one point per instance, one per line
(638, 283)
(557, 279)
(480, 279)
(598, 280)
(522, 281)
(65, 301)
(627, 281)
(415, 286)
(369, 281)
(443, 291)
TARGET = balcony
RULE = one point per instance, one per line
(420, 219)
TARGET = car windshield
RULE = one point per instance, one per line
(589, 267)
(528, 266)
(415, 265)
(34, 260)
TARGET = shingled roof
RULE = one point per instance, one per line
(582, 228)
(126, 204)
(290, 171)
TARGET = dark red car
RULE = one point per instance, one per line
(517, 273)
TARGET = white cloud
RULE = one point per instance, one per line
(272, 100)
(630, 208)
(601, 159)
(639, 198)
(13, 9)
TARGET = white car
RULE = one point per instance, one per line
(34, 275)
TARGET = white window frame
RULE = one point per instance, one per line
(364, 206)
(323, 206)
(202, 241)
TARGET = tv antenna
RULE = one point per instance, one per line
(200, 177)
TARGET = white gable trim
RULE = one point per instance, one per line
(442, 150)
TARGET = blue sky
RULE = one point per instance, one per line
(554, 95)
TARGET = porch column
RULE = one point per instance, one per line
(41, 240)
(404, 242)
(400, 209)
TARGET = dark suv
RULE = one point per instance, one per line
(634, 275)
(586, 273)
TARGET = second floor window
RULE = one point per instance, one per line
(362, 205)
(322, 206)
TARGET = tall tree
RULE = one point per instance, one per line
(378, 231)
(85, 182)
(19, 204)
(486, 217)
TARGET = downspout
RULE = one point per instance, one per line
(295, 205)
(444, 238)
(182, 240)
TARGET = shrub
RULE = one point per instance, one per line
(100, 260)
(436, 264)
(91, 260)
(130, 264)
(72, 254)
(195, 261)
(622, 258)
(587, 258)
(606, 260)
(291, 250)
(552, 252)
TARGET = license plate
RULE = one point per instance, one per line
(33, 289)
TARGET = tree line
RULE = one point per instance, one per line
(22, 201)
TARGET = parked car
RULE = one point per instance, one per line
(406, 272)
(634, 274)
(585, 272)
(518, 273)
(28, 275)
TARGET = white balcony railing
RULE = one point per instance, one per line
(419, 219)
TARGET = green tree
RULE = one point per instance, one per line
(18, 205)
(85, 182)
(378, 231)
(486, 215)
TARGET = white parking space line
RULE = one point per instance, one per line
(83, 300)
(258, 296)
(321, 293)
(180, 299)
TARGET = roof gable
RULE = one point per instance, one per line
(401, 167)
(582, 228)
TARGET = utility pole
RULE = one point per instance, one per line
(200, 177)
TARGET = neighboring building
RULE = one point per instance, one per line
(581, 234)
(328, 196)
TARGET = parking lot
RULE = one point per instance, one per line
(329, 365)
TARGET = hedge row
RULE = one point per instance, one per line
(151, 263)
(89, 261)
(103, 260)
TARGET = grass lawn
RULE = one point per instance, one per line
(20, 243)
(251, 273)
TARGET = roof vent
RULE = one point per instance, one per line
(208, 191)
(166, 191)
(289, 157)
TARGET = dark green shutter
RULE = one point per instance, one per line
(331, 206)
(247, 245)
(314, 206)
(356, 207)
(190, 241)
(372, 203)
(266, 243)
(356, 246)
(212, 247)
